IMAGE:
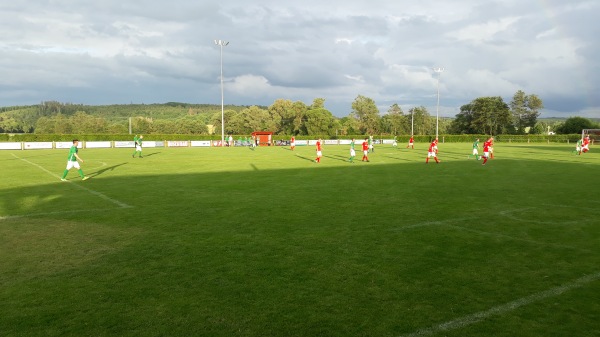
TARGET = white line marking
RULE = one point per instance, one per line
(430, 223)
(98, 194)
(509, 214)
(499, 235)
(504, 308)
(12, 217)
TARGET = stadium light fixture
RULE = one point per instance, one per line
(222, 44)
(439, 71)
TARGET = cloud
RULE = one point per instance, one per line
(113, 51)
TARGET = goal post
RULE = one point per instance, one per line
(593, 133)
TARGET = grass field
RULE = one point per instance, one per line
(236, 242)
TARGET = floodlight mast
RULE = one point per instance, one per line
(439, 71)
(222, 44)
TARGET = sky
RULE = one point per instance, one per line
(139, 51)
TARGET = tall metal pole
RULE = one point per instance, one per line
(437, 112)
(222, 44)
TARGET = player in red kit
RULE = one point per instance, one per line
(411, 142)
(432, 152)
(365, 148)
(319, 153)
(491, 147)
(486, 150)
(292, 143)
(586, 144)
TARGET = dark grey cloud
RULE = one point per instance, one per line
(112, 51)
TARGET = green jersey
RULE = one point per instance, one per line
(135, 140)
(352, 145)
(476, 144)
(72, 153)
(579, 142)
(139, 141)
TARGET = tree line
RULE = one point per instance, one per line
(483, 115)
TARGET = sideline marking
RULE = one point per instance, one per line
(504, 308)
(98, 194)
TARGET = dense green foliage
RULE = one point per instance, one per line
(576, 124)
(484, 115)
(235, 242)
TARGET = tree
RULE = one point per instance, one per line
(395, 122)
(283, 109)
(575, 125)
(525, 110)
(484, 115)
(422, 121)
(365, 111)
(320, 121)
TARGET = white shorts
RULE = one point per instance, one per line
(394, 144)
(410, 144)
(486, 154)
(577, 148)
(138, 148)
(586, 147)
(292, 144)
(352, 153)
(430, 154)
(71, 164)
(475, 152)
(365, 152)
(319, 154)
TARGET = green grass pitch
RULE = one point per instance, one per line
(265, 242)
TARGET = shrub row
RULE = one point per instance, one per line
(28, 137)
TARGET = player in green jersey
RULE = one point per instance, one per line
(138, 145)
(352, 152)
(476, 149)
(73, 162)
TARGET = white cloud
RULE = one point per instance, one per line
(114, 51)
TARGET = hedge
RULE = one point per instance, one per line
(29, 137)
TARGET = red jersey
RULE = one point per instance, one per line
(365, 146)
(586, 141)
(318, 146)
(293, 139)
(411, 140)
(431, 149)
(486, 146)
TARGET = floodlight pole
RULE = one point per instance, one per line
(439, 71)
(222, 44)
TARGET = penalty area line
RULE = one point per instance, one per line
(98, 194)
(504, 308)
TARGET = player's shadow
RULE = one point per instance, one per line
(397, 158)
(151, 154)
(305, 158)
(110, 168)
(337, 157)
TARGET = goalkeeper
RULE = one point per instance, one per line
(138, 145)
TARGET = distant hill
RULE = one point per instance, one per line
(24, 118)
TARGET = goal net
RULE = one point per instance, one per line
(593, 133)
